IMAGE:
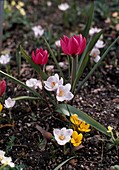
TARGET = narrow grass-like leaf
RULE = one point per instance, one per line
(22, 84)
(89, 47)
(35, 66)
(53, 57)
(18, 60)
(60, 165)
(97, 64)
(89, 22)
(83, 116)
(26, 98)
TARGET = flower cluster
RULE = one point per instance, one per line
(95, 53)
(63, 136)
(19, 6)
(53, 83)
(6, 161)
(78, 125)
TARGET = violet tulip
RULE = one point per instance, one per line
(2, 87)
(74, 45)
(40, 56)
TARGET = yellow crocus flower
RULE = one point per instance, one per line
(13, 3)
(22, 11)
(18, 7)
(76, 139)
(1, 107)
(84, 127)
(21, 4)
(109, 129)
(75, 120)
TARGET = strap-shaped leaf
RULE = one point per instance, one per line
(60, 165)
(62, 108)
(89, 47)
(20, 83)
(53, 57)
(89, 22)
(97, 64)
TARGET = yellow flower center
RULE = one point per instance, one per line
(61, 137)
(61, 93)
(94, 54)
(53, 84)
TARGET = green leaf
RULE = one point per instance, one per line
(97, 64)
(35, 66)
(53, 57)
(60, 165)
(116, 167)
(22, 84)
(18, 59)
(83, 116)
(89, 22)
(83, 59)
(26, 98)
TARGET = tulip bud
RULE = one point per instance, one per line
(40, 56)
(2, 87)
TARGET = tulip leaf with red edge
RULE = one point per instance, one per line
(89, 22)
(89, 47)
(97, 64)
(35, 66)
(54, 58)
(20, 83)
(69, 110)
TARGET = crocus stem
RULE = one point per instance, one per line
(2, 167)
(45, 97)
(73, 71)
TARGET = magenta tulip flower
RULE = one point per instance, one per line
(2, 87)
(40, 56)
(74, 45)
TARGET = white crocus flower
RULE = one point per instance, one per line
(63, 6)
(62, 136)
(38, 31)
(9, 103)
(34, 83)
(94, 30)
(49, 3)
(7, 161)
(49, 68)
(99, 44)
(57, 43)
(95, 53)
(53, 82)
(5, 59)
(2, 153)
(63, 93)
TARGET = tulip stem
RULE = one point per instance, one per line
(73, 71)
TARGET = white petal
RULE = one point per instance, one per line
(67, 87)
(96, 59)
(69, 96)
(60, 99)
